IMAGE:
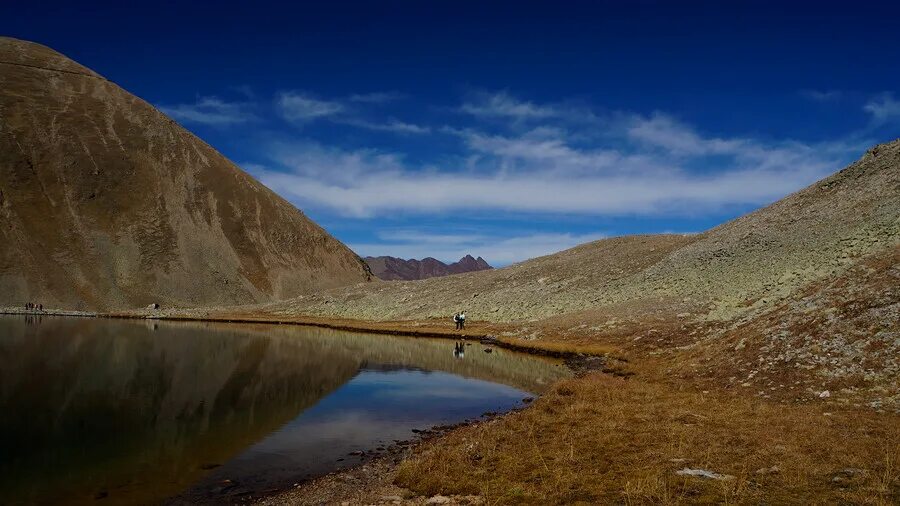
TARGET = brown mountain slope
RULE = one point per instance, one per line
(394, 269)
(107, 203)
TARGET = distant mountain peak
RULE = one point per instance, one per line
(393, 269)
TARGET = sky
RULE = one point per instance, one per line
(507, 130)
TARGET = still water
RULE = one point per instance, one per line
(96, 411)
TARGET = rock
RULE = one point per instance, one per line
(824, 394)
(851, 472)
(438, 499)
(768, 470)
(703, 473)
(488, 350)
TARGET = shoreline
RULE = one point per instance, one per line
(720, 429)
(385, 462)
(579, 361)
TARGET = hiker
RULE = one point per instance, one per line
(456, 320)
(462, 320)
(40, 307)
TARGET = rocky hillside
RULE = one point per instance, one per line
(393, 269)
(107, 203)
(742, 265)
(802, 293)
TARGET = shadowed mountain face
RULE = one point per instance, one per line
(107, 203)
(393, 269)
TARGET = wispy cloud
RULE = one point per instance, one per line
(497, 249)
(377, 97)
(662, 131)
(506, 156)
(389, 125)
(657, 166)
(211, 111)
(883, 108)
(502, 104)
(821, 95)
(301, 108)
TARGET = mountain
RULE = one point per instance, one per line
(393, 269)
(107, 203)
(815, 233)
(804, 292)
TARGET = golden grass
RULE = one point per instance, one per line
(600, 439)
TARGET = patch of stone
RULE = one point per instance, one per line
(703, 473)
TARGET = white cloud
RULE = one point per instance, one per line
(301, 108)
(883, 108)
(390, 125)
(211, 111)
(543, 149)
(502, 104)
(375, 193)
(665, 132)
(378, 97)
(497, 251)
(541, 159)
(658, 166)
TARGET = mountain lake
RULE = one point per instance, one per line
(115, 411)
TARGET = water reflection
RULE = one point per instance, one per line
(134, 412)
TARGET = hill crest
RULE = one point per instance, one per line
(107, 203)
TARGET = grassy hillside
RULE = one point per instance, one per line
(814, 272)
(743, 265)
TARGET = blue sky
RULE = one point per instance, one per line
(505, 129)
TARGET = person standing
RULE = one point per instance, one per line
(456, 320)
(462, 320)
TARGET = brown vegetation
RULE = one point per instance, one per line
(764, 351)
(605, 440)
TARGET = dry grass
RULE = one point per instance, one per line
(599, 439)
(587, 348)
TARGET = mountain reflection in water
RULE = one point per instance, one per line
(135, 411)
